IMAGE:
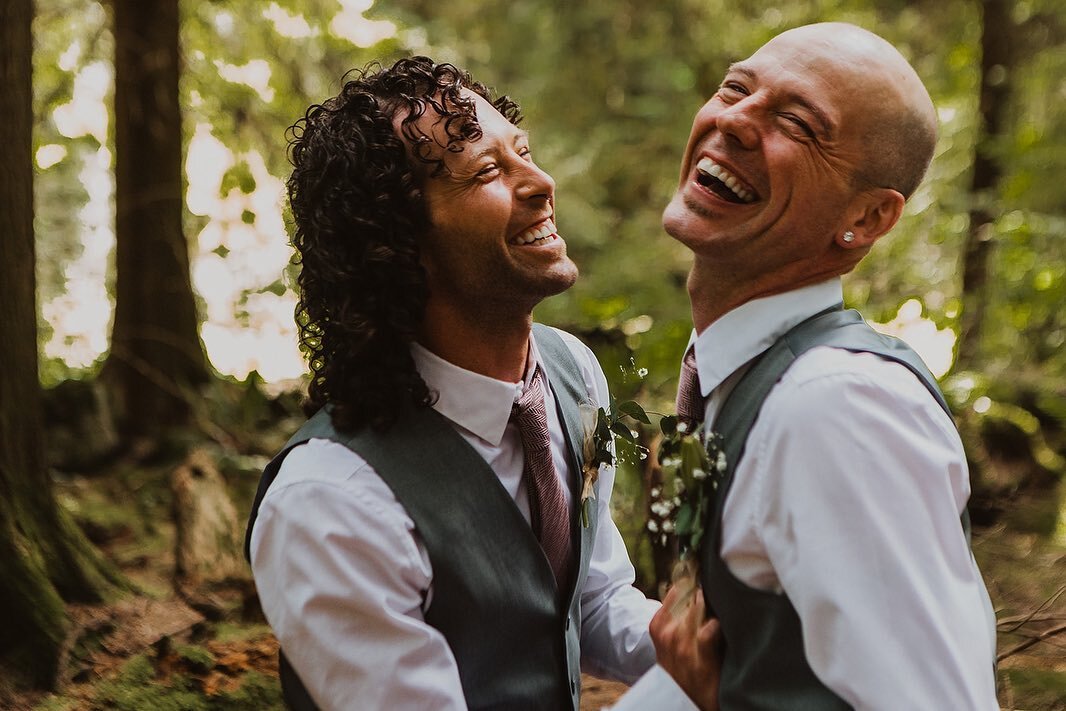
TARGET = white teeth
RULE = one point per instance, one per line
(709, 167)
(544, 231)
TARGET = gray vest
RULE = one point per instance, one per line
(764, 665)
(514, 635)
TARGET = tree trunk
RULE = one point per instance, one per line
(156, 358)
(44, 559)
(996, 69)
(209, 540)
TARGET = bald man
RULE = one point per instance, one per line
(836, 570)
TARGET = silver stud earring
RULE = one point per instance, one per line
(849, 236)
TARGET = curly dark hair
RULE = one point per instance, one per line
(359, 215)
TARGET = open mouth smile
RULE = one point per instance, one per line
(722, 183)
(541, 233)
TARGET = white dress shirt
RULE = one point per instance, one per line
(848, 499)
(344, 578)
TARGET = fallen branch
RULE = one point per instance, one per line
(1045, 635)
(1029, 617)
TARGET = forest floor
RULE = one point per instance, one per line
(158, 649)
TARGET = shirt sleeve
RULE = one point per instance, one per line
(615, 642)
(342, 582)
(655, 690)
(860, 480)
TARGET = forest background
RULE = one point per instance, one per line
(145, 277)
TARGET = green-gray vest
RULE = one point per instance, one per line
(495, 600)
(764, 666)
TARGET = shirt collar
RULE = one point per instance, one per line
(751, 328)
(475, 402)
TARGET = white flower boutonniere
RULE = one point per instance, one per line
(600, 428)
(693, 464)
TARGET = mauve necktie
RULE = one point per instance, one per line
(549, 514)
(690, 404)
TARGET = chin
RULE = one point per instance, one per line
(565, 278)
(681, 224)
(559, 279)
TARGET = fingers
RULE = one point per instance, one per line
(688, 645)
(696, 610)
(709, 637)
(686, 588)
(676, 626)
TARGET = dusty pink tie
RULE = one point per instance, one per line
(690, 404)
(549, 513)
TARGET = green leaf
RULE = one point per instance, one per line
(634, 410)
(696, 538)
(668, 425)
(603, 429)
(683, 522)
(622, 431)
(603, 453)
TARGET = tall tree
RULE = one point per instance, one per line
(156, 357)
(44, 559)
(995, 82)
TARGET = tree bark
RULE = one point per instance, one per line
(996, 69)
(44, 559)
(156, 358)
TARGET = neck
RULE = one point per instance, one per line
(494, 347)
(713, 292)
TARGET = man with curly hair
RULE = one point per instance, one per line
(422, 541)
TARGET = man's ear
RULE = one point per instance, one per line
(874, 213)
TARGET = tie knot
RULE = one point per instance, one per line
(529, 408)
(690, 405)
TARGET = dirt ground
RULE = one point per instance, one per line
(152, 654)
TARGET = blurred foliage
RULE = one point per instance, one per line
(609, 90)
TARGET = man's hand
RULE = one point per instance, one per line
(687, 645)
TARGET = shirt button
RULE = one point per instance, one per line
(568, 622)
(573, 686)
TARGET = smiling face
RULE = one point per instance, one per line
(769, 180)
(493, 246)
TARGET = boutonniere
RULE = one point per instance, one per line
(692, 464)
(600, 428)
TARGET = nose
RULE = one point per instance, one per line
(738, 121)
(535, 183)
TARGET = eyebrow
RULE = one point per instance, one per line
(826, 124)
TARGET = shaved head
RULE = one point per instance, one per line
(899, 122)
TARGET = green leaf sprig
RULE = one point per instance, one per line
(599, 442)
